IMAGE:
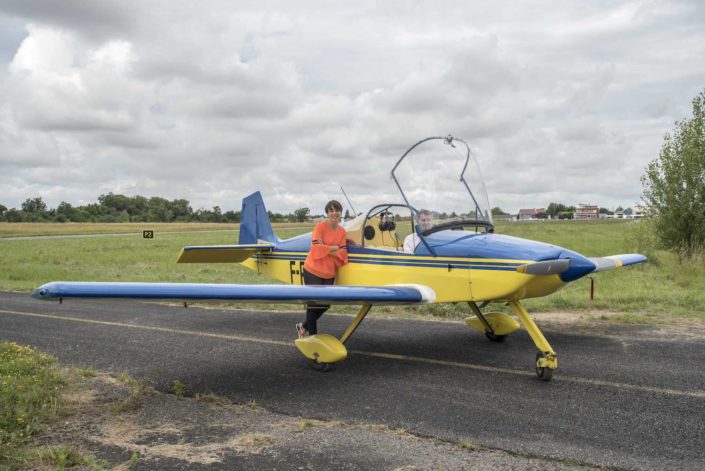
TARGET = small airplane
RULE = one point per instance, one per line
(452, 255)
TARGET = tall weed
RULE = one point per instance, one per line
(30, 390)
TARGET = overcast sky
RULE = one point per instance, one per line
(563, 101)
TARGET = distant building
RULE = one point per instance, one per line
(587, 211)
(638, 211)
(530, 213)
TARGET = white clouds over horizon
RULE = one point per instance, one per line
(564, 102)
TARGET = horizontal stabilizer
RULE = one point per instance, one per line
(401, 294)
(221, 253)
(617, 261)
(546, 267)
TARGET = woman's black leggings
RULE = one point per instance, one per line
(314, 311)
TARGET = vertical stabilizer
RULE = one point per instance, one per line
(254, 221)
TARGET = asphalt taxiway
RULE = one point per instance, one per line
(626, 397)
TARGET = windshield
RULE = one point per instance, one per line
(440, 179)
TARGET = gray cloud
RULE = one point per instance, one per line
(561, 103)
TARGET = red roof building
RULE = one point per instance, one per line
(587, 211)
(531, 213)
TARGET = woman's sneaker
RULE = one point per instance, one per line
(300, 330)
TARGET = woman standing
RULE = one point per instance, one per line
(328, 253)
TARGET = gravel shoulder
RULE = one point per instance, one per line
(122, 427)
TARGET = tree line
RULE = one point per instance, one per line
(121, 208)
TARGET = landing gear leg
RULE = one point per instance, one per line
(495, 325)
(546, 359)
(489, 331)
(356, 322)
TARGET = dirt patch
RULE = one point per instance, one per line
(608, 323)
(169, 432)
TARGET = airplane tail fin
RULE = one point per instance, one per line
(254, 221)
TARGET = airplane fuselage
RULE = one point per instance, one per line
(467, 266)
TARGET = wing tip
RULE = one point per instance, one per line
(612, 262)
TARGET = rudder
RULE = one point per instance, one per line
(254, 221)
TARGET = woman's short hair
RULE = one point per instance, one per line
(333, 204)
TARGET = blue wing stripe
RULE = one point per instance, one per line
(230, 292)
(410, 262)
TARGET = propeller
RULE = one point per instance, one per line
(546, 267)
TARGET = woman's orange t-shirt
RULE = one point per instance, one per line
(320, 261)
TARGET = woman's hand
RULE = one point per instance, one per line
(333, 249)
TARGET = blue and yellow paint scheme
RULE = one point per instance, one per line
(472, 267)
(451, 264)
(452, 278)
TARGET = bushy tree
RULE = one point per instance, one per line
(65, 212)
(232, 216)
(159, 210)
(13, 215)
(555, 209)
(274, 217)
(674, 184)
(117, 202)
(34, 205)
(181, 209)
(302, 214)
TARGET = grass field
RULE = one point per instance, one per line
(664, 289)
(30, 388)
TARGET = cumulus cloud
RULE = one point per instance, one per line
(560, 103)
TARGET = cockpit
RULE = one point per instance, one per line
(441, 188)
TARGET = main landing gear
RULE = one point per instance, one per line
(497, 325)
(325, 350)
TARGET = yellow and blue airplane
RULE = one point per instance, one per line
(454, 257)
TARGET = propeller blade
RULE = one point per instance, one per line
(547, 267)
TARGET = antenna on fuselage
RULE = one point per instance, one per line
(348, 199)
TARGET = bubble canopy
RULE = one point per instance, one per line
(439, 179)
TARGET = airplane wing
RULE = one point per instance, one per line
(617, 261)
(221, 253)
(377, 295)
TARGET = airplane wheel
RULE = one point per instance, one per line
(495, 337)
(543, 373)
(321, 367)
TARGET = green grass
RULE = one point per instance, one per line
(64, 456)
(178, 388)
(663, 289)
(30, 391)
(666, 287)
(138, 390)
(27, 263)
